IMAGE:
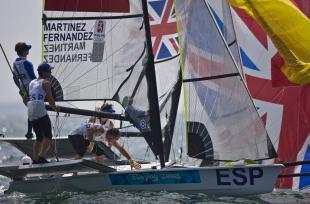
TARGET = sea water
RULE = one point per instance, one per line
(125, 197)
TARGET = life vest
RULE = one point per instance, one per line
(21, 73)
(36, 106)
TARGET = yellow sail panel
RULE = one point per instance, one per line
(289, 30)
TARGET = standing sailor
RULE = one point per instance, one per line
(23, 75)
(37, 114)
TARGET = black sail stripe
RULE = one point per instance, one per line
(211, 77)
(45, 18)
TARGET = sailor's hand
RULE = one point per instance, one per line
(57, 109)
(25, 99)
(134, 164)
(90, 147)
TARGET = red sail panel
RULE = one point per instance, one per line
(304, 6)
(117, 6)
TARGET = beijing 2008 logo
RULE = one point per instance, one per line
(100, 27)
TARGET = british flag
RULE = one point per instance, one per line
(163, 29)
(284, 109)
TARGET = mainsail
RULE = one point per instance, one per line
(99, 52)
(216, 95)
(94, 52)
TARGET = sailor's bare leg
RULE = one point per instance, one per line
(46, 143)
(36, 150)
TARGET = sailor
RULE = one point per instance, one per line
(39, 89)
(112, 135)
(139, 118)
(89, 135)
(23, 75)
(108, 108)
(81, 139)
(133, 111)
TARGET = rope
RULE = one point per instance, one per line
(56, 133)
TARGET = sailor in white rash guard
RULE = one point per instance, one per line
(39, 89)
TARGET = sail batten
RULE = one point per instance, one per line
(90, 17)
(212, 77)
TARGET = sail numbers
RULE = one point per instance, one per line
(238, 176)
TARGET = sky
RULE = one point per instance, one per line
(20, 20)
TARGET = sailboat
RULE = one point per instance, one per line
(104, 51)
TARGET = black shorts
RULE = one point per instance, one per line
(79, 144)
(42, 128)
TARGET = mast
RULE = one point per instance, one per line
(152, 88)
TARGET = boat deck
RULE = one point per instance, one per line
(18, 172)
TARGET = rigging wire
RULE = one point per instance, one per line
(56, 133)
(74, 68)
(146, 152)
(61, 73)
(92, 68)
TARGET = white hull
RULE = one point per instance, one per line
(243, 180)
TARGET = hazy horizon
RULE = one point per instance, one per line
(20, 21)
(13, 119)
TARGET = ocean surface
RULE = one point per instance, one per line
(12, 123)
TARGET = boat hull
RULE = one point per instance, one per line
(242, 180)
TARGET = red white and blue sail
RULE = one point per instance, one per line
(216, 96)
(282, 106)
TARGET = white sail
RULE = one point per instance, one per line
(216, 95)
(92, 52)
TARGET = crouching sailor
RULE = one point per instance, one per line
(89, 135)
(111, 136)
(39, 89)
(81, 140)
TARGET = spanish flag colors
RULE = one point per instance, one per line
(289, 30)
